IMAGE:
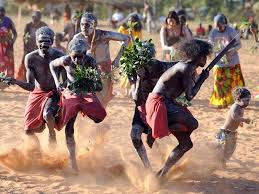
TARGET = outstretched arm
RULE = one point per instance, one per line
(30, 76)
(118, 37)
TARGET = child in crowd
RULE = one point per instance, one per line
(227, 136)
(58, 38)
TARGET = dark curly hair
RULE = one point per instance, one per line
(173, 14)
(193, 49)
(241, 92)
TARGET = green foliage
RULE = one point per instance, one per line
(135, 56)
(86, 80)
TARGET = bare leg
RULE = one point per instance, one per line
(150, 140)
(138, 144)
(48, 117)
(50, 110)
(33, 148)
(184, 145)
(71, 145)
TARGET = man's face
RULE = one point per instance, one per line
(2, 13)
(203, 61)
(35, 19)
(87, 27)
(44, 42)
(219, 26)
(77, 57)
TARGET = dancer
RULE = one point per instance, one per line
(76, 101)
(98, 46)
(146, 80)
(227, 135)
(42, 105)
(164, 114)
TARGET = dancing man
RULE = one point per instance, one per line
(76, 101)
(98, 46)
(42, 105)
(164, 114)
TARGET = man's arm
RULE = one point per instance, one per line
(192, 89)
(30, 76)
(53, 66)
(117, 37)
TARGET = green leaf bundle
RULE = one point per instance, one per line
(136, 56)
(86, 80)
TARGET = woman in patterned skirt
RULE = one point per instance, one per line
(8, 36)
(227, 72)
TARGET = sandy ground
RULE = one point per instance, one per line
(107, 159)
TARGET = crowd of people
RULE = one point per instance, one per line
(48, 69)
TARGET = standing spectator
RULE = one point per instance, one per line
(183, 23)
(29, 40)
(72, 27)
(134, 33)
(227, 72)
(149, 17)
(67, 13)
(209, 29)
(55, 15)
(8, 36)
(171, 34)
(58, 38)
(200, 31)
(117, 17)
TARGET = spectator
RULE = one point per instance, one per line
(200, 31)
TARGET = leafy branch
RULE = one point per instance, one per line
(136, 56)
(86, 80)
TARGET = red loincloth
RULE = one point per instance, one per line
(105, 66)
(156, 115)
(88, 105)
(34, 108)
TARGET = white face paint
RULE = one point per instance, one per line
(77, 57)
(44, 42)
(87, 26)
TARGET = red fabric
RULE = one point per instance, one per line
(34, 108)
(200, 31)
(105, 66)
(86, 104)
(6, 52)
(157, 115)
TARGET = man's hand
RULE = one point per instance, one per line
(204, 75)
(60, 87)
(9, 80)
(115, 63)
